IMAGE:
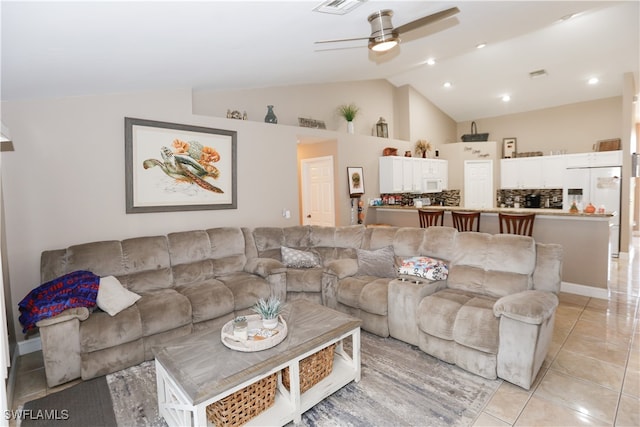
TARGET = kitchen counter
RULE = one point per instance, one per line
(584, 238)
(542, 211)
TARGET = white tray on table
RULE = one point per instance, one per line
(259, 338)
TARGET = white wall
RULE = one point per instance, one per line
(65, 182)
(574, 127)
(319, 102)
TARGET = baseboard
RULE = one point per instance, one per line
(587, 291)
(29, 346)
(11, 378)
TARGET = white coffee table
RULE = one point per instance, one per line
(196, 370)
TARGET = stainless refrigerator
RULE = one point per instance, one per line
(599, 186)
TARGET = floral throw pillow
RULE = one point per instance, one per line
(425, 267)
(295, 258)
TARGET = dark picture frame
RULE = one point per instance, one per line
(355, 178)
(509, 148)
(176, 167)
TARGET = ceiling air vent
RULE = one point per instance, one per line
(538, 73)
(338, 7)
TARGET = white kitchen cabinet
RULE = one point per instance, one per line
(532, 172)
(405, 174)
(520, 173)
(391, 174)
(595, 159)
(552, 170)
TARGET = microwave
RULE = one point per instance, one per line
(431, 185)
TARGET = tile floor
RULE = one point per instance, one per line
(591, 375)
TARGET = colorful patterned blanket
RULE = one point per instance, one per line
(76, 289)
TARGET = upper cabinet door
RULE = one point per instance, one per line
(553, 168)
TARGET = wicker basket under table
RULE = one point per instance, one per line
(239, 407)
(312, 369)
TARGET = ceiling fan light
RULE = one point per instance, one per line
(384, 45)
(383, 37)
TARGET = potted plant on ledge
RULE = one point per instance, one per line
(349, 112)
(269, 310)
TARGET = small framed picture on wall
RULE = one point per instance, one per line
(356, 181)
(509, 149)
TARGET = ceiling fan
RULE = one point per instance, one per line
(384, 36)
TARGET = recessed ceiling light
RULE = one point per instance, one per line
(481, 45)
(447, 84)
(431, 61)
(569, 16)
(506, 98)
(593, 80)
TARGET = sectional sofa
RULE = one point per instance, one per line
(493, 315)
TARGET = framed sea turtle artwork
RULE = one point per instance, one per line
(177, 167)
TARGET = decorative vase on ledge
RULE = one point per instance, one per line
(350, 128)
(271, 116)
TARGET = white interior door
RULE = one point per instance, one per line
(318, 206)
(478, 184)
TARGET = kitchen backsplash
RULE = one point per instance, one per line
(444, 198)
(549, 198)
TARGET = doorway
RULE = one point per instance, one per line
(318, 206)
(478, 184)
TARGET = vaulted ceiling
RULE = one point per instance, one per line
(59, 49)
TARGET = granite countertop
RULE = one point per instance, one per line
(551, 212)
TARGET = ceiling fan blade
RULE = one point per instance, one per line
(426, 20)
(341, 40)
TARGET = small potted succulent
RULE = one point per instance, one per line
(269, 310)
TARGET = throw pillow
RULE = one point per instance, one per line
(426, 267)
(113, 297)
(378, 263)
(295, 258)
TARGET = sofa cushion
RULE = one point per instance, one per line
(163, 310)
(209, 299)
(374, 297)
(437, 312)
(113, 297)
(296, 258)
(493, 265)
(147, 264)
(247, 288)
(102, 331)
(377, 263)
(304, 280)
(476, 326)
(350, 288)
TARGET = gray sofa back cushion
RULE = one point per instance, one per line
(141, 264)
(190, 256)
(494, 265)
(227, 250)
(102, 258)
(439, 242)
(147, 264)
(269, 240)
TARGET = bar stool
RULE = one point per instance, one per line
(521, 224)
(429, 218)
(464, 221)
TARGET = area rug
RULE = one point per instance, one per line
(400, 386)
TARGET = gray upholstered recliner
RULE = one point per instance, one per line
(495, 317)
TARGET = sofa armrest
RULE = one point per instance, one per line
(264, 267)
(80, 313)
(342, 268)
(531, 306)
